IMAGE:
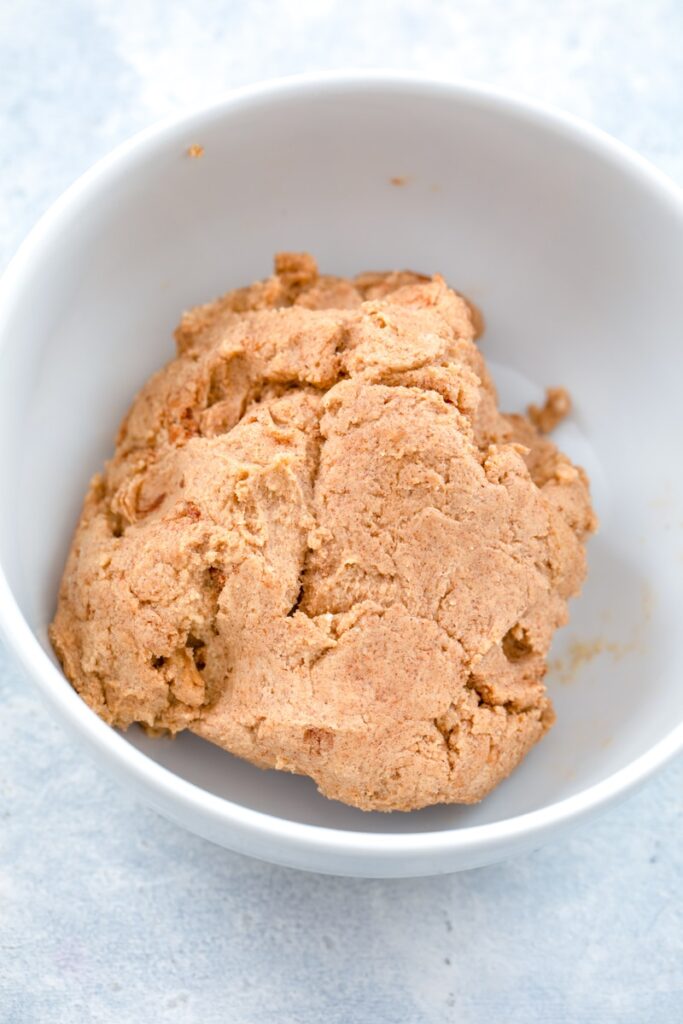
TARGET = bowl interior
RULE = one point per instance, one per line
(572, 252)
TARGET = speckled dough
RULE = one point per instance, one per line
(320, 545)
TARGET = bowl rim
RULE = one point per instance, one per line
(160, 783)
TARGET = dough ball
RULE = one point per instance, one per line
(321, 546)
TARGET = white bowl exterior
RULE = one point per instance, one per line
(572, 247)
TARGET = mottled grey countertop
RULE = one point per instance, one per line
(110, 914)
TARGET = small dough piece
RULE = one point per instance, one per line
(557, 406)
(321, 546)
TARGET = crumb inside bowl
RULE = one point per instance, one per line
(522, 211)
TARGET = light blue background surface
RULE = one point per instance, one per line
(109, 914)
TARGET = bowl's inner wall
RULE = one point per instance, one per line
(575, 261)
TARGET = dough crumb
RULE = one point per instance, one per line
(320, 545)
(557, 406)
(195, 151)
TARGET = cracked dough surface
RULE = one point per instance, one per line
(321, 546)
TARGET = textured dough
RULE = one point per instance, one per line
(321, 546)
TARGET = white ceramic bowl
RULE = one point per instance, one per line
(572, 246)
